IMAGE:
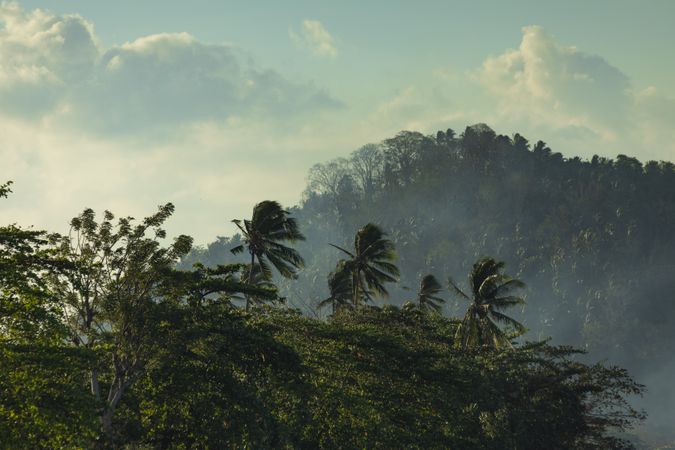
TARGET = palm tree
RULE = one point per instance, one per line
(427, 296)
(491, 292)
(340, 287)
(263, 236)
(259, 280)
(370, 264)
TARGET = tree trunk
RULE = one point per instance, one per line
(106, 423)
(250, 280)
(95, 387)
(355, 288)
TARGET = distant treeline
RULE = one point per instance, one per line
(593, 239)
(112, 338)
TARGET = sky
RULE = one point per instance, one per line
(214, 106)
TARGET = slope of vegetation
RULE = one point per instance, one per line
(593, 239)
(111, 338)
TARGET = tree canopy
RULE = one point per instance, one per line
(113, 336)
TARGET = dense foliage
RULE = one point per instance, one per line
(593, 239)
(112, 338)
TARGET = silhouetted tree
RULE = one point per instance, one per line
(370, 264)
(263, 235)
(490, 294)
(427, 296)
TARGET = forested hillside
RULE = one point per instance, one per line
(389, 310)
(592, 239)
(104, 344)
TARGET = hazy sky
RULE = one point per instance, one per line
(217, 105)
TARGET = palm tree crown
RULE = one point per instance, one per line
(370, 264)
(264, 234)
(340, 287)
(491, 292)
(427, 296)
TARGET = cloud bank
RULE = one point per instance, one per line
(52, 68)
(576, 98)
(160, 118)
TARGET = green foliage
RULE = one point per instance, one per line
(593, 238)
(491, 293)
(263, 236)
(214, 385)
(390, 378)
(369, 264)
(340, 288)
(104, 343)
(427, 296)
(5, 189)
(85, 317)
(43, 404)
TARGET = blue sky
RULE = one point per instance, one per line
(217, 105)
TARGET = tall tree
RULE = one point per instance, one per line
(43, 403)
(370, 264)
(366, 164)
(491, 292)
(264, 236)
(427, 297)
(109, 297)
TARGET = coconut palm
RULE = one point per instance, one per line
(369, 264)
(427, 297)
(340, 287)
(261, 281)
(491, 292)
(263, 236)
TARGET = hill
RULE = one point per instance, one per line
(592, 239)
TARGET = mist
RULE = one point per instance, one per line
(591, 239)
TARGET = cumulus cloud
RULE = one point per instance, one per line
(575, 101)
(160, 118)
(573, 97)
(40, 56)
(543, 81)
(316, 38)
(52, 67)
(173, 78)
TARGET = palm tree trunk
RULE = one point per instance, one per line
(250, 280)
(355, 288)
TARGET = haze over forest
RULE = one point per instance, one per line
(436, 238)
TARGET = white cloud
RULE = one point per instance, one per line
(161, 118)
(544, 82)
(40, 56)
(577, 102)
(573, 99)
(316, 38)
(52, 68)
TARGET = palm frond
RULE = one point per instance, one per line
(508, 321)
(482, 269)
(456, 290)
(507, 287)
(387, 267)
(506, 302)
(237, 249)
(342, 249)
